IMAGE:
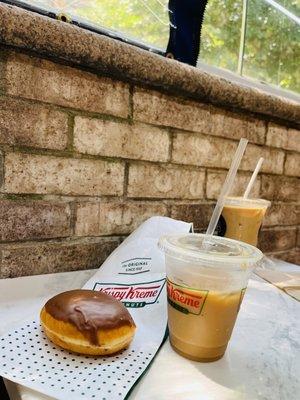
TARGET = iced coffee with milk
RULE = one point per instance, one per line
(206, 280)
(242, 218)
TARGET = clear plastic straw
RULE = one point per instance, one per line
(227, 186)
(253, 177)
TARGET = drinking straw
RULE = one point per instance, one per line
(227, 186)
(253, 177)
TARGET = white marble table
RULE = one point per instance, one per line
(262, 361)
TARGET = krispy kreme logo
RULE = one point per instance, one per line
(133, 295)
(186, 300)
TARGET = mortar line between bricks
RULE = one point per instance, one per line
(169, 210)
(279, 228)
(283, 252)
(2, 171)
(131, 105)
(205, 184)
(126, 180)
(284, 162)
(73, 216)
(171, 145)
(71, 126)
(260, 175)
(65, 198)
(266, 125)
(60, 240)
(57, 239)
(83, 156)
(3, 62)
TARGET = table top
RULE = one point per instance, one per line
(262, 361)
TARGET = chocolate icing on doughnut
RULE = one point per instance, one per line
(89, 311)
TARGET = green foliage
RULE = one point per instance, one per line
(221, 33)
(272, 51)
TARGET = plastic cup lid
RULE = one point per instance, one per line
(247, 203)
(212, 250)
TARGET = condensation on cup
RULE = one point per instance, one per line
(206, 280)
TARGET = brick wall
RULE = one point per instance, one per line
(85, 159)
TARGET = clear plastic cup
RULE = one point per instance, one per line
(241, 219)
(206, 280)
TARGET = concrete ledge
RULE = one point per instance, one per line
(55, 39)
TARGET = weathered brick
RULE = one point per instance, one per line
(26, 173)
(200, 150)
(282, 214)
(277, 135)
(273, 159)
(25, 220)
(101, 218)
(280, 188)
(281, 136)
(292, 256)
(234, 126)
(277, 240)
(46, 81)
(2, 69)
(148, 180)
(256, 131)
(293, 140)
(159, 109)
(199, 214)
(43, 258)
(87, 219)
(115, 139)
(292, 164)
(26, 124)
(215, 180)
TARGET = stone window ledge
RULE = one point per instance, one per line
(59, 40)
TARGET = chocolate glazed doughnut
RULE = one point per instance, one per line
(87, 322)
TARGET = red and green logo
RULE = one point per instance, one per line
(184, 299)
(133, 295)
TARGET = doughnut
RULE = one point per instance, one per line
(87, 322)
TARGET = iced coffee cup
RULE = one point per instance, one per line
(206, 280)
(242, 218)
